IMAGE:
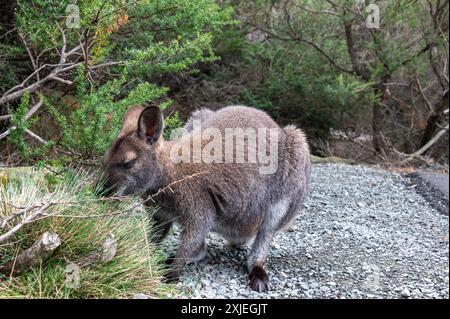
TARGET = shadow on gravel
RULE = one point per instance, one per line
(437, 199)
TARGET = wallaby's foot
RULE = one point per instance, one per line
(200, 256)
(236, 246)
(171, 277)
(259, 281)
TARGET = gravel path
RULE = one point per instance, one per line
(364, 233)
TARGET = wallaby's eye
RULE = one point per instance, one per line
(128, 164)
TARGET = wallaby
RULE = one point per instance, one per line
(233, 197)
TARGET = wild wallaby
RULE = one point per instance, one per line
(214, 188)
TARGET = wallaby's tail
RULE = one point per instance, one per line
(296, 170)
(296, 155)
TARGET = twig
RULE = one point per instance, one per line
(119, 198)
(33, 61)
(369, 149)
(424, 148)
(333, 13)
(36, 137)
(151, 197)
(296, 38)
(59, 68)
(37, 253)
(422, 94)
(28, 219)
(29, 114)
(56, 78)
(22, 211)
(8, 32)
(98, 66)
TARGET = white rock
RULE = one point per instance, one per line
(405, 293)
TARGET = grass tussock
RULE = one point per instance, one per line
(75, 217)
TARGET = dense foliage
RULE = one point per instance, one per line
(111, 61)
(318, 64)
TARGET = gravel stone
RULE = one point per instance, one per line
(406, 293)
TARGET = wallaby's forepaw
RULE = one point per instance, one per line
(259, 281)
(170, 259)
(171, 276)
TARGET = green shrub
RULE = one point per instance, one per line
(170, 123)
(91, 127)
(289, 89)
(178, 35)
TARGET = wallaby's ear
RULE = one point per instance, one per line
(150, 124)
(130, 119)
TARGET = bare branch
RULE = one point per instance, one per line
(7, 32)
(35, 136)
(422, 94)
(106, 64)
(33, 61)
(38, 252)
(56, 78)
(61, 67)
(21, 85)
(333, 13)
(20, 212)
(424, 148)
(29, 114)
(63, 57)
(34, 214)
(335, 5)
(310, 43)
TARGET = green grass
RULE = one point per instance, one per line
(136, 267)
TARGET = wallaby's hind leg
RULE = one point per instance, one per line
(259, 280)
